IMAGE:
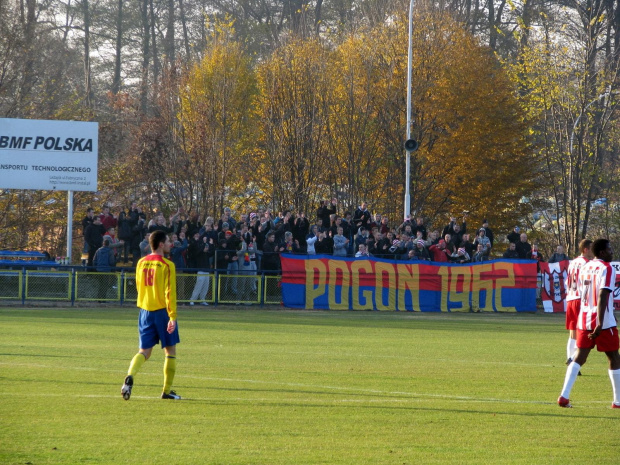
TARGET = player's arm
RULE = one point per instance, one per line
(603, 297)
(171, 297)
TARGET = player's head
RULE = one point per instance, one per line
(601, 248)
(585, 247)
(157, 238)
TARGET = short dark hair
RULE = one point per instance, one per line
(585, 244)
(89, 209)
(106, 243)
(598, 246)
(156, 238)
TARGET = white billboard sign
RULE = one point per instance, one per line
(48, 155)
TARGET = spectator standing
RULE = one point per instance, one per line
(381, 246)
(406, 244)
(227, 259)
(419, 227)
(160, 225)
(271, 254)
(535, 254)
(515, 235)
(559, 255)
(421, 252)
(467, 245)
(361, 238)
(383, 226)
(348, 231)
(195, 246)
(94, 238)
(489, 231)
(340, 243)
(432, 238)
(484, 241)
(326, 209)
(511, 251)
(361, 217)
(200, 255)
(405, 223)
(450, 246)
(86, 222)
(139, 232)
(115, 244)
(231, 220)
(104, 261)
(193, 225)
(455, 230)
(362, 251)
(145, 246)
(335, 223)
(178, 252)
(104, 257)
(290, 244)
(301, 229)
(125, 231)
(457, 234)
(439, 252)
(311, 240)
(247, 267)
(480, 255)
(461, 256)
(108, 220)
(325, 244)
(523, 246)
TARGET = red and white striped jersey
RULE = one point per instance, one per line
(572, 291)
(594, 276)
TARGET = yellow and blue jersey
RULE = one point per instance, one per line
(156, 282)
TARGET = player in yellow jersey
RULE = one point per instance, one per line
(157, 300)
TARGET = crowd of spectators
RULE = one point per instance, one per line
(253, 241)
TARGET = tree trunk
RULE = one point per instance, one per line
(185, 34)
(116, 81)
(154, 51)
(88, 91)
(29, 23)
(318, 17)
(169, 38)
(146, 43)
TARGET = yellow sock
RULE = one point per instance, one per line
(170, 368)
(136, 363)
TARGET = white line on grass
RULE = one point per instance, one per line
(450, 360)
(311, 400)
(411, 396)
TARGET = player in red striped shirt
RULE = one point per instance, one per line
(596, 325)
(573, 300)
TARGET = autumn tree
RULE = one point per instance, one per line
(570, 94)
(216, 127)
(293, 108)
(474, 152)
(366, 104)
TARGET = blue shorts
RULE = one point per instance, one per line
(153, 328)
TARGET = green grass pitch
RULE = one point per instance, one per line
(267, 386)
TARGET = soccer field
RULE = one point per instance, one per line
(300, 387)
